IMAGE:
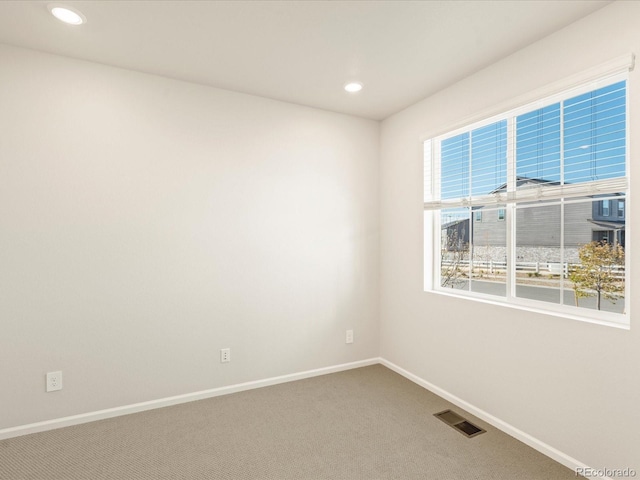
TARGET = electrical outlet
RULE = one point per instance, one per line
(349, 338)
(225, 355)
(54, 381)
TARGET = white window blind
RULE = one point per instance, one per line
(568, 147)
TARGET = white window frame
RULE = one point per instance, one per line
(614, 71)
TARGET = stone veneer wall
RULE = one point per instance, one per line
(526, 254)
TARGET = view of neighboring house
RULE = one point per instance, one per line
(538, 226)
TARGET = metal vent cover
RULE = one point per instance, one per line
(459, 423)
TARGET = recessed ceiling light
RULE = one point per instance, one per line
(67, 15)
(353, 87)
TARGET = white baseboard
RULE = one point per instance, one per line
(165, 402)
(524, 437)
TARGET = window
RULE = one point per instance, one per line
(521, 205)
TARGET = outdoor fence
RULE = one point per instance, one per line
(548, 269)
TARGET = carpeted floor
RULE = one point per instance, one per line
(367, 423)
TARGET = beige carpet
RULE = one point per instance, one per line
(367, 423)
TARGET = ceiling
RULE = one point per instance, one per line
(298, 51)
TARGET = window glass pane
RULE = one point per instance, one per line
(489, 158)
(559, 234)
(489, 253)
(454, 181)
(539, 264)
(454, 248)
(538, 146)
(594, 135)
(594, 250)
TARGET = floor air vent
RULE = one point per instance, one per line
(462, 425)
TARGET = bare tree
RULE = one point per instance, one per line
(454, 251)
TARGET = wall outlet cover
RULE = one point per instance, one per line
(349, 337)
(54, 381)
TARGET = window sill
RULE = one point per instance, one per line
(463, 295)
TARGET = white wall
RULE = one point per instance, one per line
(573, 385)
(145, 223)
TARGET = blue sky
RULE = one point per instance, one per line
(592, 126)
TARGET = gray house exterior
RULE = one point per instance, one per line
(538, 230)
